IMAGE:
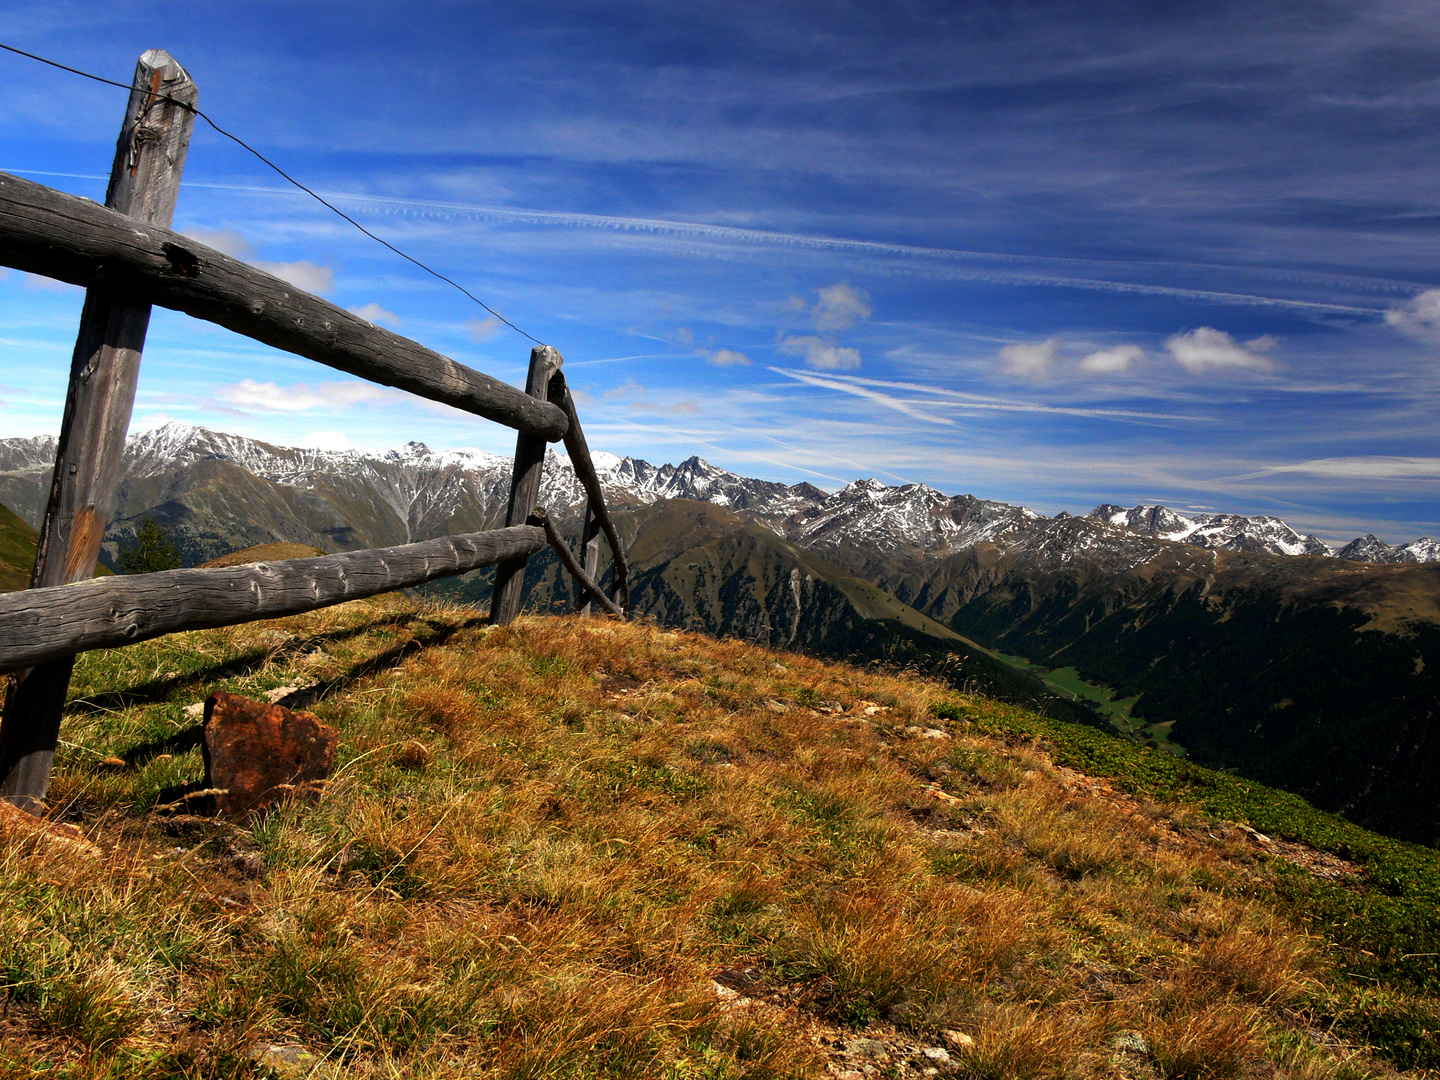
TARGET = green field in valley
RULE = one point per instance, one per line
(1067, 681)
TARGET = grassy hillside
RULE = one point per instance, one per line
(1315, 675)
(17, 550)
(265, 553)
(576, 848)
(698, 566)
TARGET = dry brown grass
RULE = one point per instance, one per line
(543, 841)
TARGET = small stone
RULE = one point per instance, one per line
(292, 695)
(1130, 1042)
(934, 733)
(937, 1054)
(258, 754)
(286, 1059)
(867, 1048)
(57, 836)
(776, 706)
(197, 709)
(957, 1040)
(249, 864)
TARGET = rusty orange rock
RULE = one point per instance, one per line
(257, 754)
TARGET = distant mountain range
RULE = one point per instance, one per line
(192, 480)
(1237, 638)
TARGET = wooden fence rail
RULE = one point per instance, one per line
(38, 625)
(71, 239)
(127, 258)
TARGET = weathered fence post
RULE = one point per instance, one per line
(144, 183)
(524, 488)
(590, 552)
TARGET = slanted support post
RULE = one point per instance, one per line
(144, 183)
(590, 553)
(524, 488)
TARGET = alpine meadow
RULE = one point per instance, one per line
(551, 541)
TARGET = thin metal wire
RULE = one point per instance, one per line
(318, 198)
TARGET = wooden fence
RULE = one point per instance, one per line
(127, 258)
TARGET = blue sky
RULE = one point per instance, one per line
(1055, 254)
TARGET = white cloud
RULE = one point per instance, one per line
(727, 358)
(484, 329)
(1419, 317)
(45, 284)
(840, 306)
(374, 313)
(685, 336)
(225, 241)
(1030, 359)
(1206, 349)
(629, 389)
(821, 353)
(151, 421)
(327, 440)
(300, 397)
(1115, 361)
(302, 273)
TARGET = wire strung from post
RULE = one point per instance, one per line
(318, 198)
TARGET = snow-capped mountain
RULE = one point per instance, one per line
(1225, 532)
(223, 491)
(912, 517)
(696, 478)
(1370, 548)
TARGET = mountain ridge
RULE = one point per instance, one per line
(414, 485)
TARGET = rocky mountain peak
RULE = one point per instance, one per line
(1225, 532)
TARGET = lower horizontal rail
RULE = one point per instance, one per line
(38, 625)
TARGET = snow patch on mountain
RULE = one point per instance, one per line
(1223, 532)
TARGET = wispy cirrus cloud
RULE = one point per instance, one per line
(900, 405)
(942, 397)
(1105, 275)
(1378, 467)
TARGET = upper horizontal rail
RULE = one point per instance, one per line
(71, 239)
(39, 625)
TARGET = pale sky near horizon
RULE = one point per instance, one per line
(1055, 254)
